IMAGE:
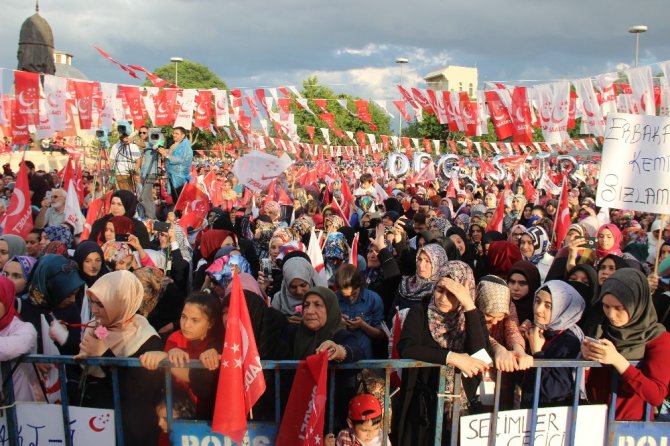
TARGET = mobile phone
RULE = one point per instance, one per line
(591, 242)
(266, 267)
(594, 340)
(161, 226)
(48, 195)
(121, 237)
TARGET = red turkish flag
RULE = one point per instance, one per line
(496, 222)
(562, 215)
(27, 93)
(499, 115)
(523, 128)
(193, 204)
(362, 112)
(303, 421)
(400, 105)
(241, 380)
(321, 103)
(329, 119)
(166, 100)
(20, 130)
(203, 110)
(84, 95)
(156, 80)
(19, 216)
(132, 96)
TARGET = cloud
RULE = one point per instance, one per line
(367, 50)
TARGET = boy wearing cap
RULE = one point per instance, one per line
(364, 421)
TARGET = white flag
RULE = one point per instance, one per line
(643, 90)
(593, 121)
(72, 209)
(186, 107)
(55, 89)
(108, 93)
(665, 88)
(554, 104)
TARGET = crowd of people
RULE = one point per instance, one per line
(420, 262)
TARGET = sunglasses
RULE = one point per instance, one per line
(143, 133)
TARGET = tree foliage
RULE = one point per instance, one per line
(190, 75)
(344, 121)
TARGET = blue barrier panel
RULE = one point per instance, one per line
(192, 433)
(639, 434)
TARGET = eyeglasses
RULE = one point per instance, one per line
(143, 133)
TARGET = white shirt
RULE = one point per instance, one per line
(123, 158)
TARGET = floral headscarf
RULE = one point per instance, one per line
(26, 263)
(336, 247)
(332, 223)
(283, 234)
(222, 268)
(115, 252)
(301, 226)
(59, 234)
(58, 248)
(414, 288)
(288, 248)
(441, 224)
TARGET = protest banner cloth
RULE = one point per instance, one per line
(635, 164)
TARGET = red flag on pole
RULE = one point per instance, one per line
(304, 418)
(119, 64)
(496, 222)
(193, 204)
(562, 215)
(26, 105)
(241, 380)
(19, 217)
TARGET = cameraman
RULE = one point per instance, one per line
(125, 157)
(148, 168)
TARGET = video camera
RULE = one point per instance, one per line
(103, 136)
(123, 126)
(157, 134)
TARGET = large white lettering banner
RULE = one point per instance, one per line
(552, 426)
(42, 424)
(635, 164)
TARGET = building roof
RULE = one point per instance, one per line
(36, 31)
(63, 70)
(443, 71)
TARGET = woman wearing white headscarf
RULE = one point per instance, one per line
(557, 309)
(118, 331)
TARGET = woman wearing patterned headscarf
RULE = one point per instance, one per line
(19, 270)
(446, 330)
(335, 253)
(332, 223)
(534, 245)
(630, 331)
(557, 309)
(430, 259)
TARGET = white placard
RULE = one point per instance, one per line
(43, 424)
(635, 164)
(552, 427)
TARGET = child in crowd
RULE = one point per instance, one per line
(195, 340)
(364, 421)
(182, 407)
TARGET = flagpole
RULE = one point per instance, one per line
(660, 245)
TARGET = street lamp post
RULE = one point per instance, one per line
(637, 30)
(401, 61)
(176, 61)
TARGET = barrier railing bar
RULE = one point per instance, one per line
(65, 404)
(277, 378)
(575, 404)
(456, 409)
(496, 407)
(611, 411)
(118, 418)
(387, 403)
(536, 403)
(8, 400)
(168, 398)
(439, 416)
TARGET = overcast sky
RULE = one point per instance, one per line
(350, 45)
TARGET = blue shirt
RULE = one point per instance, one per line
(178, 164)
(368, 306)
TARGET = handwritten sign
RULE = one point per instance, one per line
(552, 426)
(42, 424)
(199, 433)
(640, 434)
(635, 164)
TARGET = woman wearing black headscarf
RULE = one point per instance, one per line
(123, 202)
(629, 332)
(90, 259)
(523, 281)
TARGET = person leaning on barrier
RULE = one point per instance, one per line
(115, 299)
(629, 332)
(446, 331)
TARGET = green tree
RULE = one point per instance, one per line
(190, 75)
(344, 121)
(197, 76)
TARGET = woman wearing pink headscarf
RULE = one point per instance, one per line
(609, 241)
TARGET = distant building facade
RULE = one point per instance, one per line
(454, 78)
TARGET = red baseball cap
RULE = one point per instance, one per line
(364, 407)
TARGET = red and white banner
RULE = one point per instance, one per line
(166, 102)
(84, 102)
(221, 112)
(521, 117)
(55, 89)
(27, 94)
(642, 86)
(593, 121)
(203, 110)
(553, 101)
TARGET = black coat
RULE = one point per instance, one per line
(139, 390)
(415, 421)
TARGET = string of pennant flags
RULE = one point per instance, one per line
(46, 105)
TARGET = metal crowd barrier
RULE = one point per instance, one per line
(278, 366)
